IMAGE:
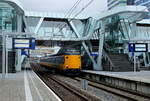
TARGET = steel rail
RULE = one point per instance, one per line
(48, 79)
(119, 92)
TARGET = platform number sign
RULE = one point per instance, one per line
(131, 48)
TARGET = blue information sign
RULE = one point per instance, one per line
(94, 54)
(23, 43)
(138, 47)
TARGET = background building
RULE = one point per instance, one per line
(115, 3)
(144, 3)
(142, 29)
(11, 20)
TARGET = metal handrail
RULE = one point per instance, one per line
(106, 56)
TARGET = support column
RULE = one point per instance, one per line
(100, 51)
(18, 52)
(6, 38)
(145, 61)
(148, 58)
(3, 56)
(18, 61)
(101, 43)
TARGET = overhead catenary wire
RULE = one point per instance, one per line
(83, 8)
(77, 14)
(68, 14)
(73, 8)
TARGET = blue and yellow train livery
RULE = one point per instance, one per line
(68, 62)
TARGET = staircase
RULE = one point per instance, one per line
(120, 63)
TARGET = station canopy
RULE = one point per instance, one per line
(54, 15)
(131, 13)
(14, 3)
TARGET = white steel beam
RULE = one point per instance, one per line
(84, 45)
(26, 24)
(38, 25)
(17, 33)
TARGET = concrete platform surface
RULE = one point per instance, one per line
(25, 86)
(141, 76)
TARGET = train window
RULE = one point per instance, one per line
(52, 59)
(55, 61)
(63, 60)
(59, 60)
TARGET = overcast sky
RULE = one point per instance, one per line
(62, 6)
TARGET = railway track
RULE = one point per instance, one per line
(68, 92)
(122, 93)
(65, 91)
(129, 96)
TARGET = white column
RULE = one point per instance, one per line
(101, 43)
(148, 58)
(100, 51)
(18, 64)
(3, 56)
(18, 52)
(145, 60)
(6, 38)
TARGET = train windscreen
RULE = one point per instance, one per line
(71, 51)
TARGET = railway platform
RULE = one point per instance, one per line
(136, 82)
(141, 76)
(25, 86)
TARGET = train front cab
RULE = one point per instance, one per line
(72, 64)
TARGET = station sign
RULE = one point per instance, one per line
(138, 47)
(94, 54)
(23, 43)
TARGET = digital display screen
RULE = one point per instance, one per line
(24, 43)
(140, 47)
(21, 45)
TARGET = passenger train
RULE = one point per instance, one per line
(67, 61)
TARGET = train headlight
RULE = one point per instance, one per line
(66, 66)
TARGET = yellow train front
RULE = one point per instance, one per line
(68, 62)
